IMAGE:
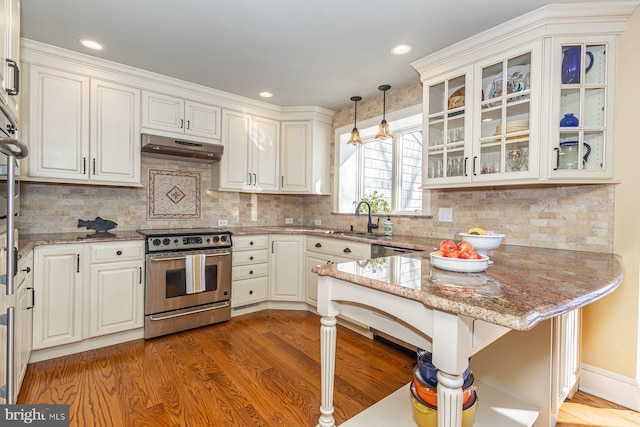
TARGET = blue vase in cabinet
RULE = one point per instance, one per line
(569, 120)
(571, 64)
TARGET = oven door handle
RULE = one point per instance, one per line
(186, 313)
(155, 259)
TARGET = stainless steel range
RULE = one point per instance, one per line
(188, 279)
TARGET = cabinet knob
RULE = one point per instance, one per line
(119, 253)
(250, 271)
(251, 258)
(318, 245)
(250, 292)
(347, 251)
(251, 243)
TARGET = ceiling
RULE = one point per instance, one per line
(305, 52)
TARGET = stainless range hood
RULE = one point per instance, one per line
(171, 148)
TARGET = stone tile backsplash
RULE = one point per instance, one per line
(578, 217)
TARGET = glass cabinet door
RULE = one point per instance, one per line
(445, 154)
(581, 121)
(505, 110)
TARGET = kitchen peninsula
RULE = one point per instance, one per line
(509, 318)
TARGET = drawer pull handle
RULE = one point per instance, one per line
(119, 253)
(251, 258)
(318, 245)
(347, 251)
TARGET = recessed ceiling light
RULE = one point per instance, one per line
(401, 49)
(91, 44)
(266, 94)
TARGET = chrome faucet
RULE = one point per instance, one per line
(370, 225)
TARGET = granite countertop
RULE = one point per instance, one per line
(522, 287)
(29, 241)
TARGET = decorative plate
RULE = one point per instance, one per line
(517, 80)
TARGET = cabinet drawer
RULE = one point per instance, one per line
(249, 291)
(250, 257)
(250, 242)
(339, 247)
(249, 271)
(116, 251)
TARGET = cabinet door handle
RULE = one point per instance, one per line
(78, 263)
(94, 166)
(282, 181)
(474, 165)
(465, 166)
(557, 159)
(84, 166)
(140, 276)
(272, 249)
(27, 270)
(16, 78)
(33, 298)
(188, 124)
(181, 123)
(318, 245)
(250, 292)
(347, 251)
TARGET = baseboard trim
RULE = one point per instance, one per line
(610, 386)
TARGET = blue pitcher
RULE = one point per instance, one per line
(571, 64)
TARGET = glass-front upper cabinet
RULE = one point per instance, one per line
(581, 114)
(448, 128)
(506, 139)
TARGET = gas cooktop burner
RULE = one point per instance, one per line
(182, 239)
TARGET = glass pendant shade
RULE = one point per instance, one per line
(383, 130)
(354, 138)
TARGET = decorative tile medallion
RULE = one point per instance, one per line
(174, 194)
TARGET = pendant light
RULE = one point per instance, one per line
(383, 129)
(355, 134)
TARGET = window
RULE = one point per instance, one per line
(392, 167)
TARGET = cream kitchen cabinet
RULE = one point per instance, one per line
(10, 55)
(286, 265)
(493, 104)
(24, 326)
(582, 109)
(87, 290)
(114, 297)
(250, 270)
(82, 130)
(250, 160)
(323, 250)
(478, 121)
(58, 284)
(175, 117)
(304, 157)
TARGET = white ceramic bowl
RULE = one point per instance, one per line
(483, 244)
(460, 265)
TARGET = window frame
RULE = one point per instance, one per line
(402, 121)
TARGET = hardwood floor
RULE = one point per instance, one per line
(261, 369)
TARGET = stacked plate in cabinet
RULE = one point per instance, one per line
(424, 394)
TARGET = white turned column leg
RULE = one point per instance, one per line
(449, 400)
(327, 369)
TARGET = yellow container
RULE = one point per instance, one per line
(426, 415)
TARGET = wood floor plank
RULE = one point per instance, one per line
(258, 370)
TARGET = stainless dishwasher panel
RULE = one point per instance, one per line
(378, 251)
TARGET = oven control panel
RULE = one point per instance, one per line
(178, 243)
